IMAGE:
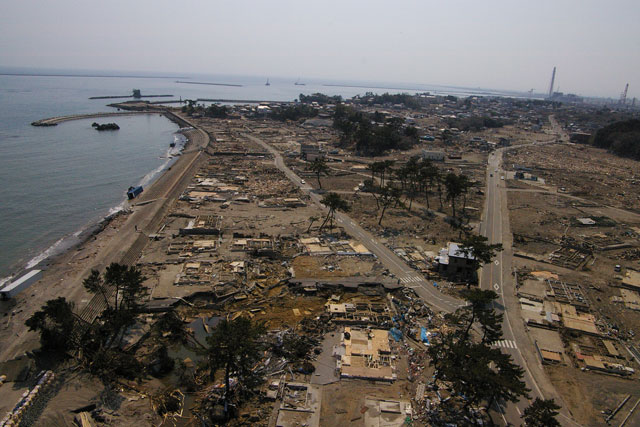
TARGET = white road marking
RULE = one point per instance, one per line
(504, 344)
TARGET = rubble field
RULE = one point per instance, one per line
(576, 243)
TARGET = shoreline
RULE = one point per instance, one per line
(44, 258)
(120, 237)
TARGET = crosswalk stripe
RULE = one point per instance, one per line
(504, 344)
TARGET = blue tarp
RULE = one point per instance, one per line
(423, 336)
(396, 334)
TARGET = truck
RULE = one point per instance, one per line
(133, 192)
(17, 286)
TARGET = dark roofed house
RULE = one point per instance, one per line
(456, 264)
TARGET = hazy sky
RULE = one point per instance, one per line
(477, 43)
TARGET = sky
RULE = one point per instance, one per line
(493, 44)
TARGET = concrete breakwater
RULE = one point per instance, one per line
(53, 121)
(208, 84)
(130, 96)
(231, 101)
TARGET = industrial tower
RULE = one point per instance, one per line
(623, 95)
(553, 79)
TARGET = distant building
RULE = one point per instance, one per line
(570, 98)
(521, 168)
(310, 152)
(263, 110)
(433, 155)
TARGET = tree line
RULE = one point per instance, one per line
(372, 134)
(294, 112)
(320, 98)
(621, 138)
(475, 123)
(418, 176)
(409, 101)
(214, 111)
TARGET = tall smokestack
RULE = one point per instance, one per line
(553, 80)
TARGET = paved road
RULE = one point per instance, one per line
(498, 277)
(405, 274)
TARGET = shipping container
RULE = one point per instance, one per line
(133, 192)
(17, 286)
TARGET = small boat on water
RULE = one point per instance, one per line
(297, 83)
(267, 83)
(172, 145)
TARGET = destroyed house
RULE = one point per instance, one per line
(252, 244)
(360, 314)
(195, 273)
(365, 354)
(206, 224)
(184, 249)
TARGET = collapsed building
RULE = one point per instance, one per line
(365, 354)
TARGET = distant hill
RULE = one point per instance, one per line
(621, 138)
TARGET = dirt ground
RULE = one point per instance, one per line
(587, 394)
(343, 402)
(584, 171)
(324, 267)
(401, 228)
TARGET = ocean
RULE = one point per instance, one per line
(58, 181)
